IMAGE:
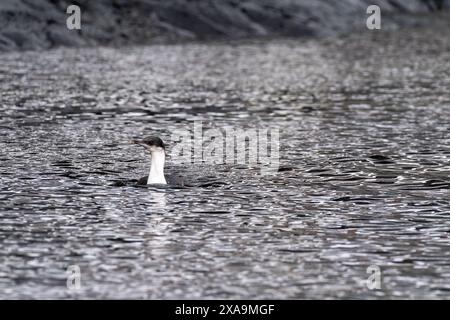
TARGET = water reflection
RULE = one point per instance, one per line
(157, 200)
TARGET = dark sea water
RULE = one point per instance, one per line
(364, 176)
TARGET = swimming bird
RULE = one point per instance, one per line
(158, 158)
(156, 176)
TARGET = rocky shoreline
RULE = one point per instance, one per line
(30, 25)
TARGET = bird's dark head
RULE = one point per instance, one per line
(153, 144)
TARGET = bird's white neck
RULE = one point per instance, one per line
(156, 174)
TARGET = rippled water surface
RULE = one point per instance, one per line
(364, 172)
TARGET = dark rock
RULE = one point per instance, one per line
(26, 24)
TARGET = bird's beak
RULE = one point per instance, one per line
(142, 144)
(132, 141)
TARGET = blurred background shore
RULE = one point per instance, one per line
(37, 25)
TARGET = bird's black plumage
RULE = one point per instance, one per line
(153, 141)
